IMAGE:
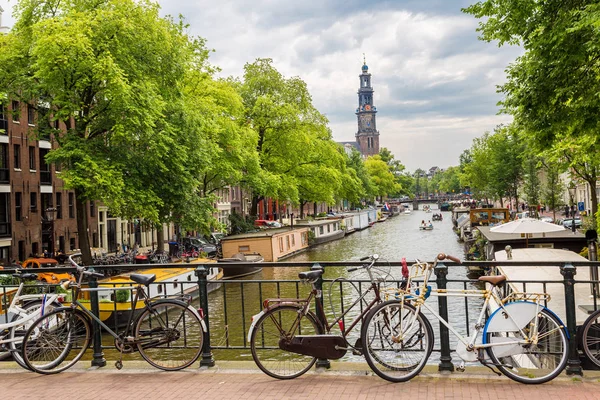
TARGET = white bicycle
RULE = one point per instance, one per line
(24, 309)
(521, 337)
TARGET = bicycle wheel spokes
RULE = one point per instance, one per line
(538, 361)
(397, 341)
(591, 338)
(275, 326)
(169, 336)
(56, 341)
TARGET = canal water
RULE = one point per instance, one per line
(392, 240)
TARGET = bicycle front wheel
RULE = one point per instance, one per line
(397, 341)
(169, 335)
(541, 359)
(271, 329)
(590, 337)
(56, 341)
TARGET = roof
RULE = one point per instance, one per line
(258, 234)
(502, 237)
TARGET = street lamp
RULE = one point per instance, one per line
(50, 216)
(572, 191)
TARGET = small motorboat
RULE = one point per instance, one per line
(426, 227)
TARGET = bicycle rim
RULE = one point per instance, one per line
(276, 325)
(397, 342)
(56, 341)
(169, 335)
(20, 330)
(533, 363)
(590, 338)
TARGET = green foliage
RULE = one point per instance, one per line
(122, 295)
(239, 224)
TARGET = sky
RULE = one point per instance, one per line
(435, 83)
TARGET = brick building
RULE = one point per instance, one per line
(37, 213)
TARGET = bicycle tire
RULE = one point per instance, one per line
(537, 363)
(169, 335)
(590, 337)
(49, 342)
(396, 349)
(21, 330)
(274, 326)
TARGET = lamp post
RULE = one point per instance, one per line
(572, 191)
(50, 216)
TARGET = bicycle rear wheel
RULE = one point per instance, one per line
(19, 331)
(169, 335)
(536, 362)
(273, 327)
(56, 341)
(397, 341)
(590, 337)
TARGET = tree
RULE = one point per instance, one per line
(108, 70)
(293, 141)
(552, 89)
(383, 180)
(553, 187)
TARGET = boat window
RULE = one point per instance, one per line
(321, 230)
(160, 289)
(281, 245)
(293, 240)
(175, 285)
(189, 277)
(287, 241)
(328, 228)
(243, 248)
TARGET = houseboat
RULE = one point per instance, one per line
(273, 243)
(323, 230)
(116, 304)
(360, 219)
(372, 216)
(347, 221)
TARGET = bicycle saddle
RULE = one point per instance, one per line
(494, 280)
(143, 279)
(310, 275)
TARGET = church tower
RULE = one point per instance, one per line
(367, 137)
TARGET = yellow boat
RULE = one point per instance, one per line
(116, 305)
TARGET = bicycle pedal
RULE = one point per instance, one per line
(461, 367)
(118, 365)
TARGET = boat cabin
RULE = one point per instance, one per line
(488, 216)
(272, 244)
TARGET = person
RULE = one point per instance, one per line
(429, 224)
(423, 223)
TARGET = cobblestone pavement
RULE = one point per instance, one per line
(134, 382)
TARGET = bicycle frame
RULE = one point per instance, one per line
(15, 309)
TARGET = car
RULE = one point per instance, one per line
(47, 277)
(200, 244)
(568, 223)
(263, 223)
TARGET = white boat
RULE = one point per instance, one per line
(324, 230)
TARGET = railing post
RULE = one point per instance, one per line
(441, 271)
(207, 359)
(98, 359)
(568, 271)
(321, 362)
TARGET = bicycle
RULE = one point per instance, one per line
(522, 338)
(167, 332)
(286, 337)
(23, 310)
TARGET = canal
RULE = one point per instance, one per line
(392, 240)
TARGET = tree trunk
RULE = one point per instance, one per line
(82, 229)
(160, 238)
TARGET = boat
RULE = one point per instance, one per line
(437, 217)
(372, 213)
(115, 304)
(426, 227)
(323, 230)
(427, 208)
(273, 244)
(238, 271)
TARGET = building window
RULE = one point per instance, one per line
(58, 205)
(4, 175)
(92, 209)
(35, 249)
(17, 156)
(72, 244)
(30, 114)
(15, 111)
(21, 247)
(18, 206)
(45, 174)
(71, 205)
(32, 158)
(4, 214)
(33, 201)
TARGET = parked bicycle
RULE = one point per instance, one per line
(167, 332)
(286, 337)
(589, 334)
(522, 338)
(23, 310)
